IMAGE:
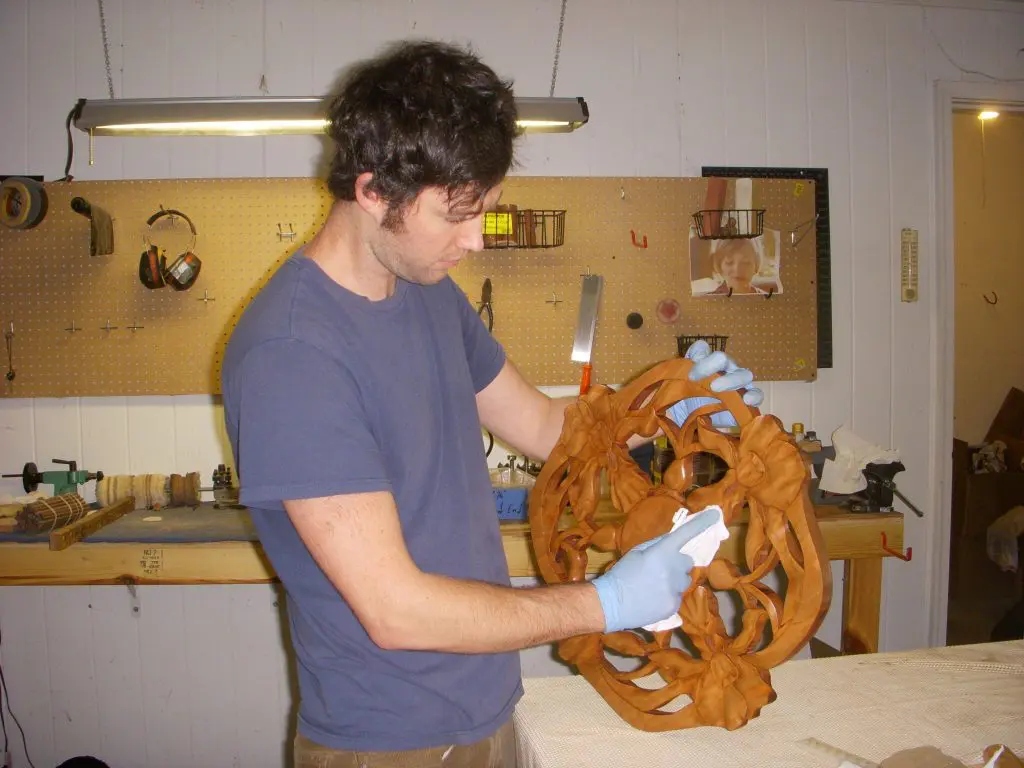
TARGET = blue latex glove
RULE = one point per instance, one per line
(708, 363)
(648, 583)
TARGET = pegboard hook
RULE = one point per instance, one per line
(285, 234)
(905, 558)
(171, 215)
(632, 236)
(799, 232)
(994, 300)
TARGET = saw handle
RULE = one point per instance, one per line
(585, 381)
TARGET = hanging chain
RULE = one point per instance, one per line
(558, 48)
(106, 48)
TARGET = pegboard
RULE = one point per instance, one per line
(608, 220)
(85, 325)
(822, 233)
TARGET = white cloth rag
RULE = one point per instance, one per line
(1001, 539)
(702, 549)
(844, 474)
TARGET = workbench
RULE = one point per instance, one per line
(207, 545)
(958, 699)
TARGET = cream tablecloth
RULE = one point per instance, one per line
(959, 699)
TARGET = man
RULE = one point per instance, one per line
(355, 387)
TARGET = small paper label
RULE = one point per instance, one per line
(497, 223)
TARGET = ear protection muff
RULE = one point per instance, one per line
(151, 268)
(181, 274)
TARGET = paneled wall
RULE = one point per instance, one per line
(199, 675)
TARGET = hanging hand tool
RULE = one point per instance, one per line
(9, 341)
(485, 309)
(486, 313)
(586, 326)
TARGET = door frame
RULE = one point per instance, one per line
(949, 96)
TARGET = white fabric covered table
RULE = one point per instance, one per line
(959, 699)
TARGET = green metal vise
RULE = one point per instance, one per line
(62, 481)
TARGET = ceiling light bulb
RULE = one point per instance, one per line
(988, 114)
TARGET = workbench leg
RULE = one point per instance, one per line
(862, 604)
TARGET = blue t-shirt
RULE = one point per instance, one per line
(326, 393)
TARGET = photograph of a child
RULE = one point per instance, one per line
(744, 266)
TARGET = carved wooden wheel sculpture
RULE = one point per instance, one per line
(729, 683)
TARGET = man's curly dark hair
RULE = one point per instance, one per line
(422, 114)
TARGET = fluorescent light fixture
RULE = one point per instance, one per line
(215, 116)
(538, 114)
(209, 116)
(987, 114)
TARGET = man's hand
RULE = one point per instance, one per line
(707, 363)
(648, 583)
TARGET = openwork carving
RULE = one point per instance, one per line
(729, 682)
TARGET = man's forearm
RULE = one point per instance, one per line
(456, 616)
(551, 427)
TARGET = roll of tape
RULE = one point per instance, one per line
(22, 202)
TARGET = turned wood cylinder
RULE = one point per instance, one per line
(150, 491)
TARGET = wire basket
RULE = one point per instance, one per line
(509, 227)
(729, 223)
(717, 343)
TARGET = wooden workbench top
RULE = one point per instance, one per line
(207, 545)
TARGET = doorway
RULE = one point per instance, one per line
(978, 201)
(987, 481)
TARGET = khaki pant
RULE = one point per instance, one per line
(496, 751)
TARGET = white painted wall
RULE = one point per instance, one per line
(199, 675)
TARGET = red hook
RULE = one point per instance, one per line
(894, 553)
(632, 235)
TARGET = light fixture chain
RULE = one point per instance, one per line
(558, 47)
(106, 48)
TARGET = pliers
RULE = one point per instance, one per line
(485, 307)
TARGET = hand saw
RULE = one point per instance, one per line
(586, 326)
